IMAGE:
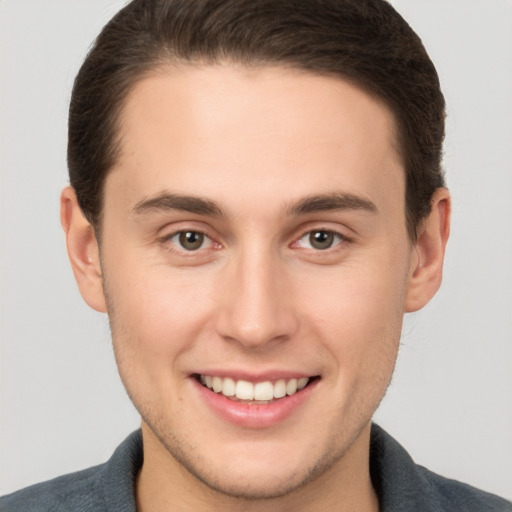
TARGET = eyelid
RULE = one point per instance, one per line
(173, 247)
(339, 236)
(166, 239)
(344, 233)
(206, 240)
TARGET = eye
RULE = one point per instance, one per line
(320, 239)
(191, 240)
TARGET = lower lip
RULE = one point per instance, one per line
(255, 416)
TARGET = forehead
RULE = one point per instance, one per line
(278, 131)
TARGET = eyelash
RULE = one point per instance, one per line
(338, 239)
(173, 247)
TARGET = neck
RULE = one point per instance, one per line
(163, 484)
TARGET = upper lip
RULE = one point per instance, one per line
(272, 375)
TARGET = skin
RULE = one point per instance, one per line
(256, 296)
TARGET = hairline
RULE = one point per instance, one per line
(166, 61)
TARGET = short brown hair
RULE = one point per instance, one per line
(364, 41)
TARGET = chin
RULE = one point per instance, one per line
(265, 471)
(255, 483)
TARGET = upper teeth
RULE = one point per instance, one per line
(245, 390)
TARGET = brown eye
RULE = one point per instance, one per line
(321, 239)
(190, 240)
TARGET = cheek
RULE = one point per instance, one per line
(154, 321)
(358, 313)
(155, 312)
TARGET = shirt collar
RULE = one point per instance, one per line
(400, 486)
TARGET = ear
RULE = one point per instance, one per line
(427, 262)
(83, 250)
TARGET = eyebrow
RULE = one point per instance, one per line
(315, 203)
(176, 202)
(333, 201)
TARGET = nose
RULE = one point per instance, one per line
(256, 302)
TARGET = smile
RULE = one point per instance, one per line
(256, 393)
(255, 403)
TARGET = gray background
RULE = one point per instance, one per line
(62, 405)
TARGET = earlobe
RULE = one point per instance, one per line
(83, 250)
(427, 268)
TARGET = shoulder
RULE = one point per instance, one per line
(76, 491)
(455, 495)
(404, 486)
(108, 487)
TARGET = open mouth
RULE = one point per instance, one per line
(254, 393)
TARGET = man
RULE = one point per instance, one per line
(256, 200)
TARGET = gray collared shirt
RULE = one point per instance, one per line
(402, 486)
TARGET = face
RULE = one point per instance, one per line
(255, 264)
